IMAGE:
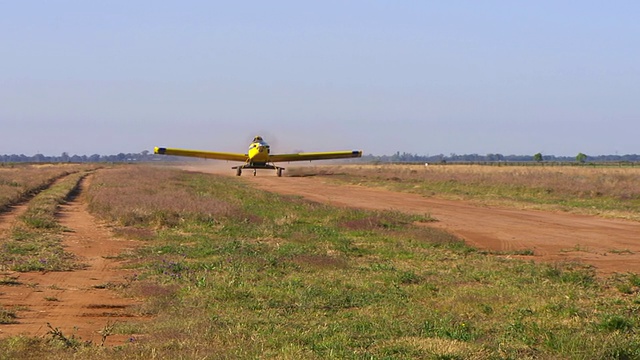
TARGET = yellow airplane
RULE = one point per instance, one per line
(259, 156)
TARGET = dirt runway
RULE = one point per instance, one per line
(610, 245)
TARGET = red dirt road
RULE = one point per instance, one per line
(80, 303)
(610, 245)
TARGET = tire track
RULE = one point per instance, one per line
(10, 214)
(81, 302)
(9, 218)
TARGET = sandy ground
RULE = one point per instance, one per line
(79, 303)
(609, 245)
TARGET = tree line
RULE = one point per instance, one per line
(65, 157)
(398, 157)
(477, 158)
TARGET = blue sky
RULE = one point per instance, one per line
(424, 77)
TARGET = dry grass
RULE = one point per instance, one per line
(607, 191)
(19, 182)
(138, 195)
(621, 183)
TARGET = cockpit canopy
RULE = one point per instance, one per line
(258, 142)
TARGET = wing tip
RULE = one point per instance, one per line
(159, 150)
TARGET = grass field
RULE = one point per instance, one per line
(18, 182)
(232, 272)
(604, 191)
(34, 241)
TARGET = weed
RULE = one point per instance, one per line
(8, 316)
(449, 328)
(634, 279)
(106, 332)
(69, 342)
(409, 277)
(572, 273)
(10, 280)
(617, 323)
(110, 286)
(521, 252)
(621, 252)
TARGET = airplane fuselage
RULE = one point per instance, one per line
(258, 153)
(258, 157)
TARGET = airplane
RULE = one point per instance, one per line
(259, 156)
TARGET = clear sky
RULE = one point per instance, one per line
(424, 77)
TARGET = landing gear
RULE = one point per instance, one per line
(255, 168)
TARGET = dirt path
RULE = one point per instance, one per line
(610, 245)
(79, 303)
(8, 218)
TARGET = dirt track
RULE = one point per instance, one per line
(610, 245)
(79, 303)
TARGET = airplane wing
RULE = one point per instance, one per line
(315, 156)
(201, 154)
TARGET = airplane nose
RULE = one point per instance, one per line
(261, 148)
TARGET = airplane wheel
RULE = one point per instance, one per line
(238, 172)
(279, 172)
(255, 172)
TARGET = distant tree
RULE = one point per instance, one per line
(581, 158)
(537, 157)
(78, 158)
(491, 157)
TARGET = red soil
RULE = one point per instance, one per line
(79, 303)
